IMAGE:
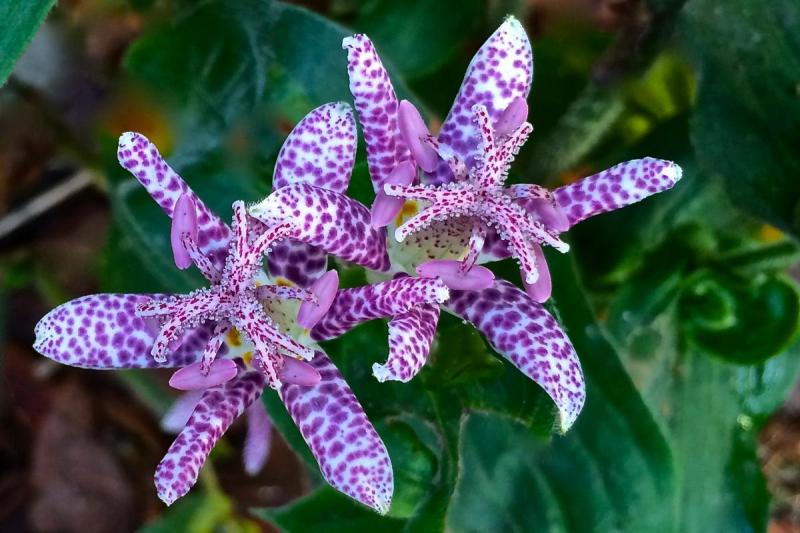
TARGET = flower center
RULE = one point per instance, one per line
(232, 301)
(479, 193)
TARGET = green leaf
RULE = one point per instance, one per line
(418, 36)
(743, 321)
(197, 512)
(744, 129)
(612, 471)
(327, 510)
(20, 22)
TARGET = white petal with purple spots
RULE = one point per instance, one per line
(102, 331)
(376, 103)
(523, 332)
(616, 187)
(320, 150)
(501, 71)
(213, 415)
(350, 453)
(141, 158)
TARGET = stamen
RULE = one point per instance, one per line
(449, 271)
(413, 130)
(184, 220)
(325, 291)
(385, 208)
(512, 117)
(299, 373)
(541, 289)
(192, 377)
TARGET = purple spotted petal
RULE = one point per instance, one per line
(376, 103)
(320, 150)
(385, 299)
(141, 158)
(214, 414)
(523, 332)
(501, 71)
(329, 220)
(616, 187)
(296, 261)
(410, 338)
(102, 331)
(541, 289)
(258, 442)
(351, 455)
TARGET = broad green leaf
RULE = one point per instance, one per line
(612, 471)
(744, 128)
(418, 36)
(20, 22)
(743, 321)
(198, 512)
(326, 510)
(711, 407)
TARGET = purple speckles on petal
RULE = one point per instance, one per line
(616, 187)
(213, 415)
(119, 340)
(142, 159)
(523, 332)
(376, 104)
(386, 299)
(410, 337)
(320, 150)
(493, 80)
(351, 455)
(327, 219)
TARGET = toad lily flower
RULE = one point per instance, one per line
(238, 335)
(458, 212)
(461, 198)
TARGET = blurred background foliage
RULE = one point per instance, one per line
(683, 309)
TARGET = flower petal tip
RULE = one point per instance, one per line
(351, 41)
(381, 373)
(513, 26)
(673, 172)
(167, 495)
(567, 418)
(382, 503)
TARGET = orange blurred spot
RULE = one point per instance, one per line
(283, 282)
(130, 110)
(573, 175)
(234, 338)
(767, 233)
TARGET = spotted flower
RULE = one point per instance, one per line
(461, 197)
(238, 335)
(445, 201)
